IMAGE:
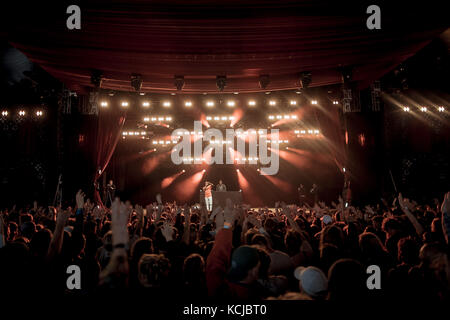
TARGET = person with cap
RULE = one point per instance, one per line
(313, 283)
(326, 219)
(231, 275)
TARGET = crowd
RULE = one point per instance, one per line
(166, 250)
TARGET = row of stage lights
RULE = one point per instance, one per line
(208, 103)
(424, 109)
(22, 113)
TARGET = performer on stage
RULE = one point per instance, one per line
(302, 194)
(110, 192)
(221, 187)
(314, 193)
(208, 196)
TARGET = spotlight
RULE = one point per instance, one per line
(209, 118)
(343, 169)
(188, 104)
(406, 109)
(96, 78)
(210, 103)
(39, 113)
(221, 82)
(272, 102)
(441, 109)
(4, 113)
(146, 119)
(136, 82)
(179, 82)
(264, 81)
(252, 103)
(103, 104)
(21, 113)
(146, 104)
(271, 117)
(204, 170)
(166, 104)
(124, 104)
(183, 171)
(423, 109)
(305, 79)
(231, 103)
(293, 102)
(258, 170)
(237, 170)
(347, 74)
(168, 118)
(335, 102)
(142, 93)
(313, 101)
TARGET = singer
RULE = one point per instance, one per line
(208, 195)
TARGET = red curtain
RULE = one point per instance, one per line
(110, 124)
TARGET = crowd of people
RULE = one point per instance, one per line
(288, 252)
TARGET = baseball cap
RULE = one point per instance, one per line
(243, 259)
(312, 280)
(326, 219)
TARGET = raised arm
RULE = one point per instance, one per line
(445, 219)
(57, 238)
(411, 217)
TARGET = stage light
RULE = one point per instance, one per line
(271, 117)
(146, 104)
(210, 103)
(221, 82)
(142, 93)
(252, 103)
(237, 170)
(124, 133)
(39, 113)
(258, 170)
(406, 109)
(316, 131)
(423, 109)
(302, 131)
(287, 117)
(204, 170)
(441, 109)
(313, 101)
(124, 104)
(166, 104)
(209, 118)
(161, 119)
(231, 118)
(293, 103)
(231, 103)
(4, 113)
(154, 149)
(279, 117)
(103, 104)
(335, 102)
(168, 118)
(146, 119)
(294, 116)
(343, 169)
(136, 81)
(216, 118)
(188, 104)
(224, 118)
(183, 171)
(272, 102)
(22, 113)
(310, 131)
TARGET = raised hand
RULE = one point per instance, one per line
(63, 215)
(167, 231)
(158, 198)
(445, 207)
(80, 199)
(119, 222)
